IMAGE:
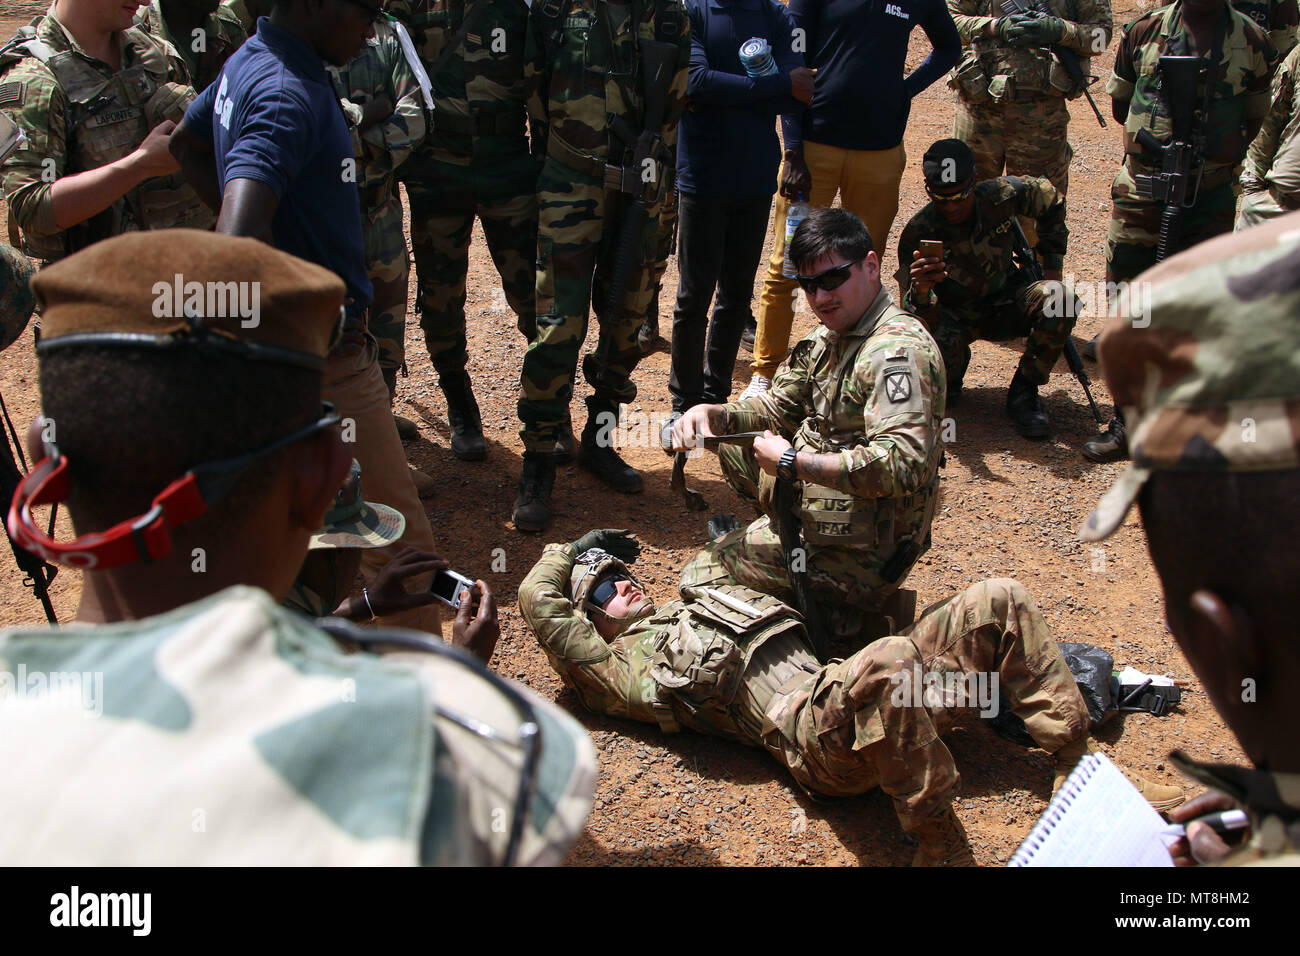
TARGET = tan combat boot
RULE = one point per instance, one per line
(424, 484)
(943, 841)
(407, 430)
(1161, 797)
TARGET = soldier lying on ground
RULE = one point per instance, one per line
(329, 572)
(231, 730)
(734, 662)
(1211, 389)
(974, 291)
(855, 413)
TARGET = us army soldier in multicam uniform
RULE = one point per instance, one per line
(584, 67)
(1011, 90)
(856, 409)
(383, 105)
(1270, 181)
(178, 21)
(734, 662)
(79, 113)
(979, 291)
(1240, 100)
(1210, 386)
(232, 731)
(475, 162)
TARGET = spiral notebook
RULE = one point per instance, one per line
(1097, 819)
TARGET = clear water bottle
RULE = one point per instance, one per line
(796, 214)
(756, 57)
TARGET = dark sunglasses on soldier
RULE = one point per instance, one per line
(952, 197)
(606, 589)
(828, 279)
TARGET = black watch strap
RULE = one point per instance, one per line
(785, 467)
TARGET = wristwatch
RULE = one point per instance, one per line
(785, 467)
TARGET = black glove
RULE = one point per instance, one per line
(1044, 30)
(618, 543)
(1015, 30)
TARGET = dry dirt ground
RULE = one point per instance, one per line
(1010, 508)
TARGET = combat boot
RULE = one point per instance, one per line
(1163, 798)
(1110, 445)
(1025, 409)
(943, 841)
(596, 453)
(533, 498)
(467, 442)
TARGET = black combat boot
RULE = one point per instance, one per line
(596, 453)
(1110, 445)
(467, 442)
(533, 498)
(1025, 409)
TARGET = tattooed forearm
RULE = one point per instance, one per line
(819, 469)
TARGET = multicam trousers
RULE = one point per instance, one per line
(445, 198)
(875, 718)
(576, 238)
(1043, 312)
(1024, 135)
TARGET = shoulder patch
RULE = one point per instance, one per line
(12, 94)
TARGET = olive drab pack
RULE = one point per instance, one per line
(107, 121)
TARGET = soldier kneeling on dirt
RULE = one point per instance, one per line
(733, 662)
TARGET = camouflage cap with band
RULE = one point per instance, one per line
(185, 287)
(353, 522)
(1212, 384)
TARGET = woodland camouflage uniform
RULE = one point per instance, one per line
(984, 296)
(55, 93)
(382, 70)
(739, 666)
(1241, 94)
(874, 394)
(1011, 100)
(1211, 385)
(1278, 18)
(474, 162)
(569, 99)
(223, 34)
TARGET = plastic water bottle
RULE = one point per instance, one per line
(756, 57)
(796, 214)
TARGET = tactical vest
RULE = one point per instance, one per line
(989, 70)
(705, 645)
(106, 121)
(832, 518)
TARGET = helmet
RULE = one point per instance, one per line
(588, 569)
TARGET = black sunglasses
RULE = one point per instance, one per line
(373, 14)
(828, 279)
(606, 589)
(952, 197)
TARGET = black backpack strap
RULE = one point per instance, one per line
(668, 21)
(552, 14)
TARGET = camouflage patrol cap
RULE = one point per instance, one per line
(17, 303)
(186, 287)
(947, 164)
(353, 522)
(1212, 384)
(588, 568)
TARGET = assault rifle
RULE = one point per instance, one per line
(640, 178)
(1068, 59)
(37, 574)
(1182, 159)
(1028, 263)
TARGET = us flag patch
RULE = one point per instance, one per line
(12, 94)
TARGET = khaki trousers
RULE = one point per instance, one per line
(355, 384)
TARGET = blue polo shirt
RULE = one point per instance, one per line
(727, 145)
(273, 116)
(859, 48)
